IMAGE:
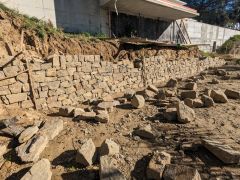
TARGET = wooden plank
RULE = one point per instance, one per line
(32, 85)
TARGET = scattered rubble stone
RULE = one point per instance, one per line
(207, 92)
(157, 165)
(147, 94)
(218, 96)
(172, 83)
(185, 113)
(138, 101)
(170, 93)
(108, 169)
(109, 147)
(161, 94)
(170, 114)
(31, 150)
(179, 172)
(52, 128)
(232, 94)
(152, 88)
(224, 152)
(27, 134)
(66, 111)
(102, 117)
(86, 155)
(208, 101)
(108, 98)
(189, 94)
(215, 81)
(191, 86)
(145, 132)
(39, 171)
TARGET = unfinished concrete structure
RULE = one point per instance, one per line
(143, 18)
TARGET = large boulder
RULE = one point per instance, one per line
(108, 169)
(138, 101)
(232, 94)
(31, 150)
(218, 96)
(27, 134)
(157, 165)
(180, 172)
(39, 171)
(185, 113)
(223, 152)
(86, 154)
(109, 147)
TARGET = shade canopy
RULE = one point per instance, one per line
(158, 9)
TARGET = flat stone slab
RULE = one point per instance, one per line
(86, 116)
(27, 134)
(12, 130)
(39, 171)
(223, 152)
(52, 128)
(31, 150)
(108, 169)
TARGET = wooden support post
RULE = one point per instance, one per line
(186, 32)
(32, 85)
(180, 30)
(22, 40)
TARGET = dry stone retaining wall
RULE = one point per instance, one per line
(68, 80)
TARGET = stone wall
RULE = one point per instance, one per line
(68, 80)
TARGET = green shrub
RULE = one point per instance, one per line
(229, 44)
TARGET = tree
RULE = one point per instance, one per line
(217, 12)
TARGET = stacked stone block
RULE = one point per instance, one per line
(69, 80)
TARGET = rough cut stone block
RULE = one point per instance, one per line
(109, 147)
(14, 98)
(157, 164)
(4, 90)
(218, 96)
(15, 88)
(170, 114)
(52, 128)
(185, 113)
(7, 82)
(54, 85)
(39, 171)
(11, 71)
(145, 132)
(179, 172)
(191, 86)
(63, 63)
(23, 77)
(223, 152)
(138, 101)
(232, 94)
(31, 150)
(108, 169)
(189, 94)
(27, 104)
(85, 116)
(102, 117)
(3, 149)
(86, 155)
(52, 72)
